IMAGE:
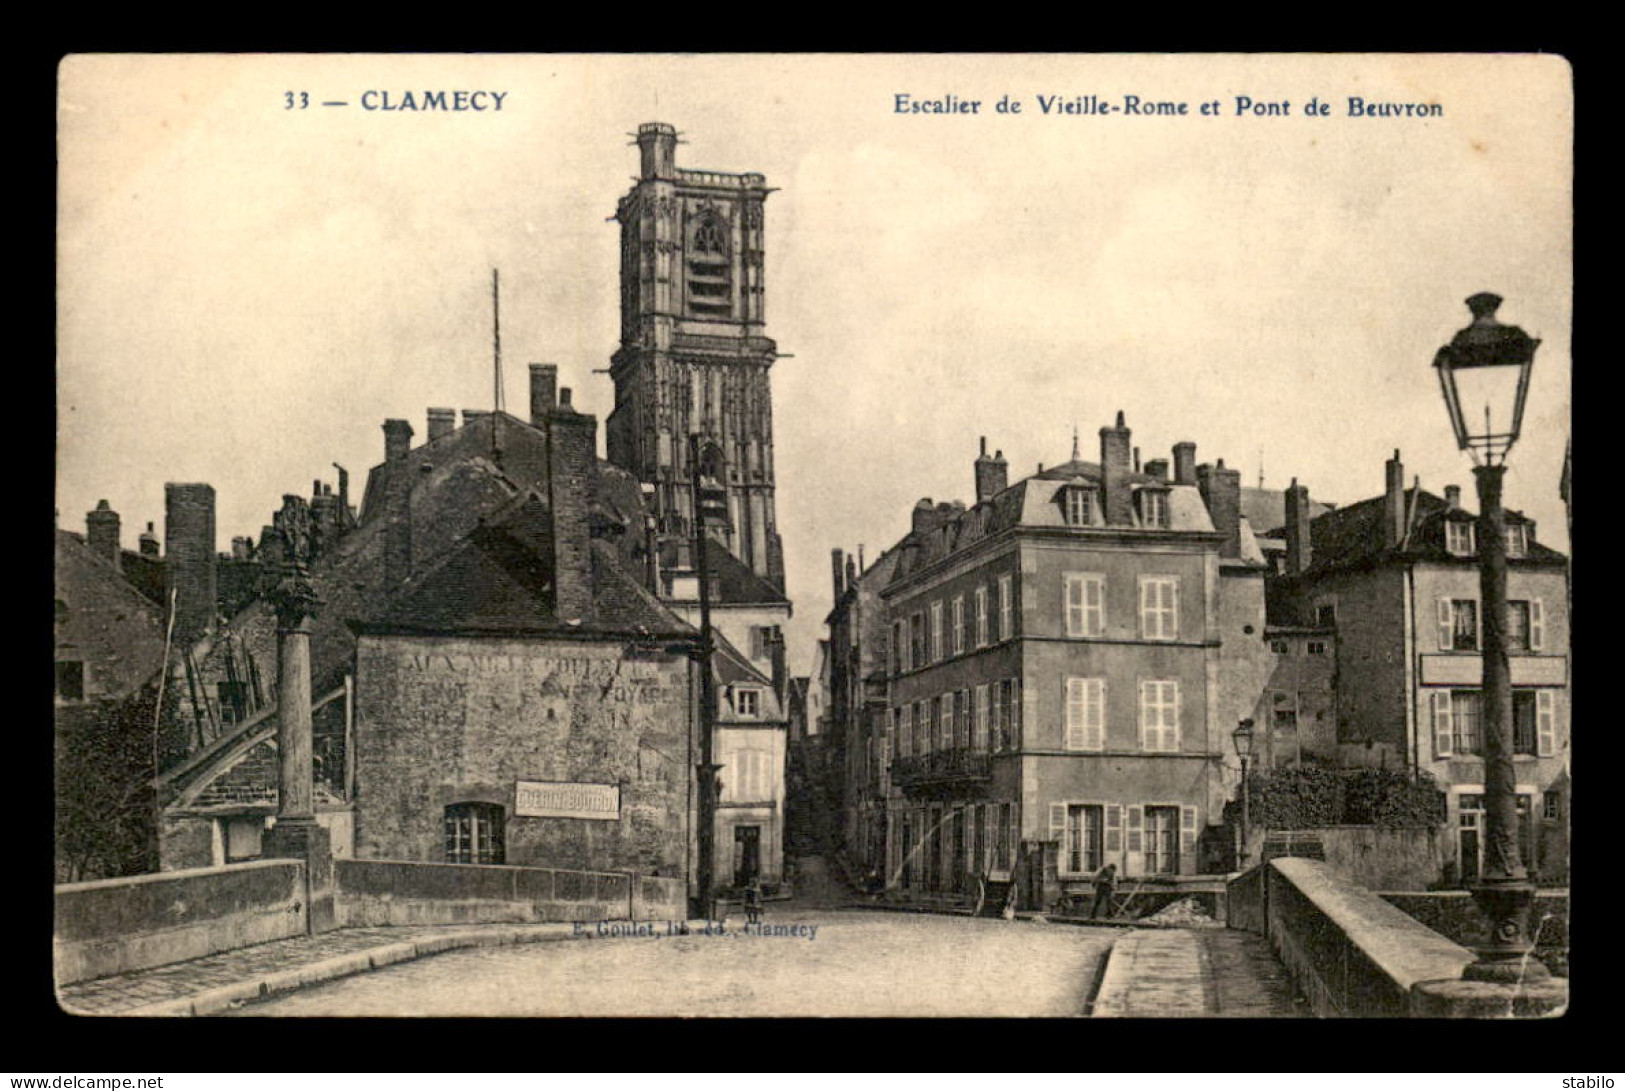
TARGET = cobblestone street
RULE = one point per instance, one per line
(856, 964)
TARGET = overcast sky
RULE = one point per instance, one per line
(246, 291)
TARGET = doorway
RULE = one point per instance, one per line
(747, 854)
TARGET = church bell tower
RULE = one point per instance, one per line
(693, 357)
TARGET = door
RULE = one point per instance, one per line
(956, 872)
(747, 854)
(1162, 840)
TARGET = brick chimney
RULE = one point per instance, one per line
(544, 382)
(397, 439)
(472, 415)
(1393, 509)
(1299, 553)
(1115, 465)
(1185, 463)
(191, 568)
(1221, 492)
(837, 574)
(572, 459)
(1157, 468)
(925, 516)
(1452, 497)
(442, 422)
(102, 533)
(780, 667)
(992, 474)
(149, 542)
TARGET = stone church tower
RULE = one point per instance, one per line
(693, 357)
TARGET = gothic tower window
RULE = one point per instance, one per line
(710, 280)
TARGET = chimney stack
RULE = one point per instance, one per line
(851, 572)
(1394, 501)
(1299, 553)
(149, 542)
(544, 382)
(397, 439)
(442, 422)
(992, 474)
(191, 568)
(572, 447)
(102, 533)
(925, 516)
(837, 573)
(345, 512)
(1452, 496)
(1158, 468)
(1221, 492)
(1115, 465)
(472, 415)
(1185, 463)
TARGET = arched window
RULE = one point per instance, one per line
(474, 833)
(710, 277)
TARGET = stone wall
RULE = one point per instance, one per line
(443, 720)
(117, 925)
(393, 892)
(1350, 952)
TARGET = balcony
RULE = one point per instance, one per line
(941, 773)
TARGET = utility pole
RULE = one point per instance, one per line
(705, 839)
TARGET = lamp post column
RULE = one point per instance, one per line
(1504, 894)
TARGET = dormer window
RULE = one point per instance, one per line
(1458, 537)
(1153, 507)
(1517, 536)
(1078, 505)
(748, 702)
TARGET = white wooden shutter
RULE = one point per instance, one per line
(1441, 724)
(1094, 606)
(1074, 605)
(1537, 625)
(1015, 713)
(1134, 855)
(1114, 830)
(980, 741)
(1094, 714)
(1187, 838)
(1446, 624)
(1546, 722)
(1076, 711)
(1057, 828)
(1146, 741)
(1171, 735)
(970, 820)
(1148, 590)
(1171, 628)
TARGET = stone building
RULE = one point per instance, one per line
(1064, 664)
(1394, 580)
(491, 680)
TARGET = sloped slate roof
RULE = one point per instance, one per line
(736, 583)
(501, 579)
(1357, 534)
(1265, 509)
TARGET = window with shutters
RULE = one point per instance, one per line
(1458, 625)
(935, 651)
(1159, 716)
(1517, 539)
(1006, 608)
(979, 735)
(1114, 829)
(962, 718)
(1456, 721)
(945, 722)
(1458, 537)
(959, 625)
(1523, 721)
(1085, 714)
(981, 617)
(998, 733)
(1159, 607)
(1520, 626)
(1013, 713)
(1546, 722)
(1085, 604)
(474, 833)
(922, 727)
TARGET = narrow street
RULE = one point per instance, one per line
(856, 963)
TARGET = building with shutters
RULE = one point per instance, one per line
(1064, 663)
(1393, 581)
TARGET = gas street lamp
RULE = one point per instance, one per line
(1486, 368)
(1242, 736)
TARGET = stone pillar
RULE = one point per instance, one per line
(297, 834)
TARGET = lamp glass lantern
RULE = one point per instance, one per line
(1484, 374)
(1242, 736)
